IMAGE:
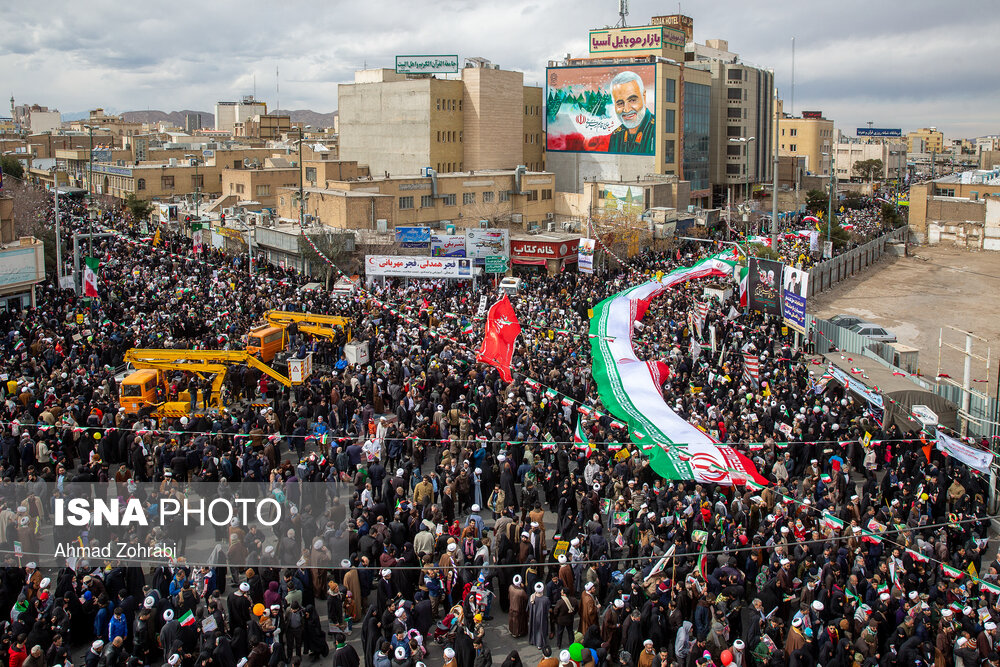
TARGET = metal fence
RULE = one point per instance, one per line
(982, 415)
(826, 274)
(827, 337)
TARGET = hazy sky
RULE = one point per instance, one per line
(899, 64)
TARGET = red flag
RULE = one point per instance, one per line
(502, 329)
(424, 306)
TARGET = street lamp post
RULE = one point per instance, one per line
(90, 196)
(746, 141)
(197, 186)
(829, 203)
(55, 184)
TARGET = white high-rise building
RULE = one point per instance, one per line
(227, 114)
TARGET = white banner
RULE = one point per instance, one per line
(481, 243)
(857, 386)
(417, 267)
(970, 456)
(585, 255)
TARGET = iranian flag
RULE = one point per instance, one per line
(90, 276)
(744, 286)
(628, 390)
(467, 328)
(187, 618)
(197, 245)
(702, 564)
(580, 441)
(950, 571)
(831, 522)
(917, 556)
(992, 588)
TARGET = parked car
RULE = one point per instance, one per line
(847, 321)
(874, 332)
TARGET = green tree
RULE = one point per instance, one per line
(764, 252)
(816, 200)
(139, 208)
(891, 217)
(854, 200)
(868, 170)
(11, 165)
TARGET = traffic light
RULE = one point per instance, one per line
(187, 218)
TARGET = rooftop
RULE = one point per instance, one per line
(972, 177)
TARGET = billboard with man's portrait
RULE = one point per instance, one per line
(601, 109)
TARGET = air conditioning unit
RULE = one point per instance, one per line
(516, 218)
(567, 226)
(551, 227)
(550, 216)
(382, 225)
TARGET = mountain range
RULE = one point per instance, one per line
(314, 118)
(307, 116)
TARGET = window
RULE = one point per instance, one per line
(439, 136)
(734, 150)
(167, 182)
(793, 147)
(460, 133)
(504, 195)
(734, 131)
(239, 188)
(735, 75)
(733, 169)
(427, 201)
(237, 164)
(405, 203)
(546, 194)
(668, 151)
(735, 94)
(734, 112)
(449, 200)
(669, 91)
(668, 120)
(140, 184)
(532, 195)
(198, 181)
(488, 197)
(793, 132)
(468, 198)
(460, 105)
(311, 174)
(263, 190)
(439, 104)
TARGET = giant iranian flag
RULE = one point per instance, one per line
(626, 384)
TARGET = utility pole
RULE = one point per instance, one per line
(55, 182)
(966, 385)
(90, 190)
(829, 203)
(774, 176)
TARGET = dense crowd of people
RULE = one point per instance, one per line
(468, 497)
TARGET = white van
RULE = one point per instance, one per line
(510, 286)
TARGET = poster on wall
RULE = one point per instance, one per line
(482, 243)
(413, 237)
(447, 245)
(601, 109)
(585, 255)
(765, 285)
(626, 198)
(794, 288)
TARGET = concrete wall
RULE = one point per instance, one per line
(494, 118)
(534, 153)
(992, 226)
(386, 126)
(572, 169)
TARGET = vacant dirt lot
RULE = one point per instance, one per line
(914, 297)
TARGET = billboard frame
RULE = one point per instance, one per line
(655, 67)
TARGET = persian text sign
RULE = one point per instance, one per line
(417, 267)
(618, 40)
(426, 64)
